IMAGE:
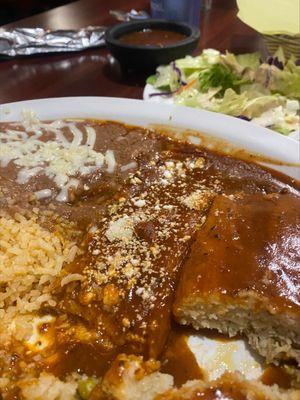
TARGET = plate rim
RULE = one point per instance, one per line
(238, 133)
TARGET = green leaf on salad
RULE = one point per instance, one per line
(218, 76)
(151, 79)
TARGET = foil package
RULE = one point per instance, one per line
(27, 41)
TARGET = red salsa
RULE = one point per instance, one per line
(152, 37)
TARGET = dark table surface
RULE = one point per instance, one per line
(90, 73)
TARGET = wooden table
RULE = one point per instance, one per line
(89, 72)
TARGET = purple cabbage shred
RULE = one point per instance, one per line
(244, 117)
(162, 94)
(178, 72)
(276, 62)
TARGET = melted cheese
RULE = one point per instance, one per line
(42, 194)
(59, 159)
(129, 166)
(91, 136)
(110, 160)
(38, 341)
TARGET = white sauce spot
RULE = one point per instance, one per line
(216, 357)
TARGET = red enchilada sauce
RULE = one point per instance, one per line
(152, 37)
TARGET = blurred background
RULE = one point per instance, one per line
(12, 10)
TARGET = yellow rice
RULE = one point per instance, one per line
(31, 258)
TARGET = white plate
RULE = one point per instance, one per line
(214, 356)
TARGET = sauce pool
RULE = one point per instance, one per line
(152, 37)
(177, 359)
(276, 375)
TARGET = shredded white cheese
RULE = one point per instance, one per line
(110, 160)
(91, 136)
(128, 166)
(43, 194)
(26, 173)
(77, 139)
(64, 193)
(59, 159)
(71, 278)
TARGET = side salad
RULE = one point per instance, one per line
(267, 93)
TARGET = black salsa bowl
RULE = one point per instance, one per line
(147, 57)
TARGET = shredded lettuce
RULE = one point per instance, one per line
(151, 79)
(207, 58)
(194, 98)
(242, 63)
(287, 82)
(166, 79)
(249, 60)
(238, 85)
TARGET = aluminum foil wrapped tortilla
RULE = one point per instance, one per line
(28, 41)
